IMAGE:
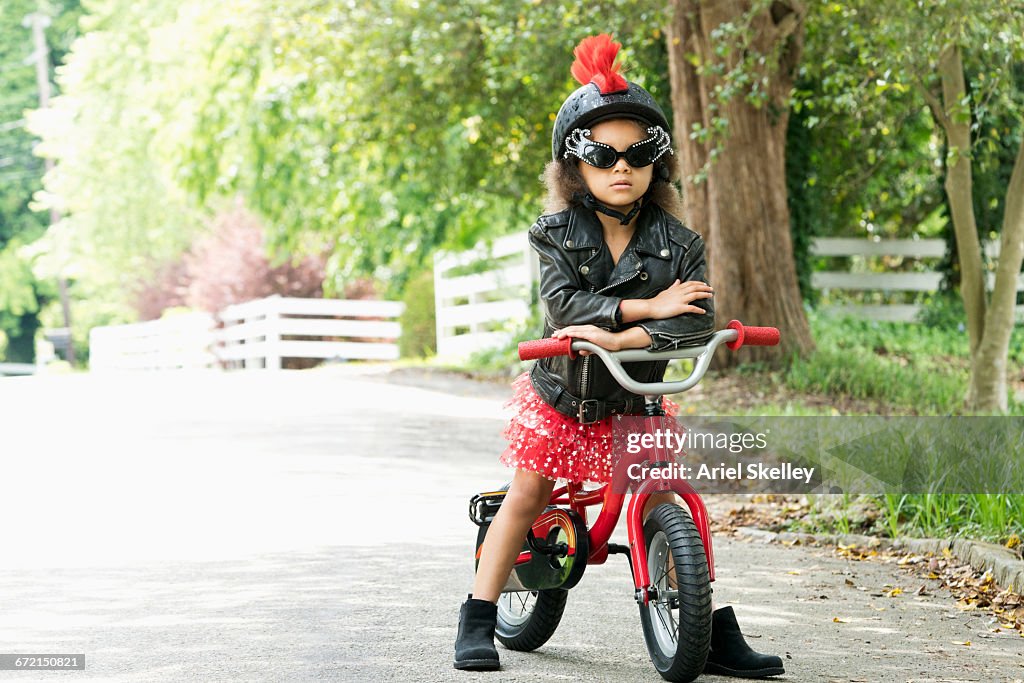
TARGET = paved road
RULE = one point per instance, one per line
(311, 526)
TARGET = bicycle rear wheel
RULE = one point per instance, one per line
(527, 619)
(677, 623)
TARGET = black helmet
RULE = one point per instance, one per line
(605, 94)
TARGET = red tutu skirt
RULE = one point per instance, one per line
(557, 446)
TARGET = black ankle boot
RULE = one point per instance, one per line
(731, 656)
(474, 647)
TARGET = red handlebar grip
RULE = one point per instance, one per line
(755, 336)
(760, 336)
(546, 348)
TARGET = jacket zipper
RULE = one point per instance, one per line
(616, 284)
(585, 375)
(585, 372)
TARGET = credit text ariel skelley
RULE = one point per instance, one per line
(722, 472)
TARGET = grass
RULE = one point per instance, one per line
(911, 367)
(996, 517)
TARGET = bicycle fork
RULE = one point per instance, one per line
(635, 528)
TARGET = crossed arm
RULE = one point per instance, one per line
(682, 313)
(673, 301)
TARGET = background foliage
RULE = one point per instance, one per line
(376, 133)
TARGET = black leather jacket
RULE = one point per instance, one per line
(580, 285)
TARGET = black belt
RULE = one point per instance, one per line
(592, 410)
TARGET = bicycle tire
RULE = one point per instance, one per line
(537, 625)
(677, 628)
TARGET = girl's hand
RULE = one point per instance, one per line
(591, 333)
(677, 298)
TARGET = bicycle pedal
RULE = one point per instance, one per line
(484, 506)
(618, 549)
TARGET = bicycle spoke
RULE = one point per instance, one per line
(522, 603)
(675, 625)
(662, 577)
(661, 617)
(523, 598)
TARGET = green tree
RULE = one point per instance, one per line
(733, 64)
(392, 128)
(22, 295)
(115, 131)
(931, 49)
(377, 131)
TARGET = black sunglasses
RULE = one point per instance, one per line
(601, 155)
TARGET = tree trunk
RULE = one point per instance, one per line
(988, 326)
(741, 208)
(988, 366)
(959, 189)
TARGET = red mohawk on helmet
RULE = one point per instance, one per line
(595, 63)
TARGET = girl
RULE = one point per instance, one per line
(617, 268)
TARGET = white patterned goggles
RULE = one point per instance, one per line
(601, 155)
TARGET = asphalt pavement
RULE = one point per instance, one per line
(311, 526)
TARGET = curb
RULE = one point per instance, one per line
(1007, 569)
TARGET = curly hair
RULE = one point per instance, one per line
(563, 181)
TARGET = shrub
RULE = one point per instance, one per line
(944, 310)
(228, 265)
(419, 332)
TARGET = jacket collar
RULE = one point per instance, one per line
(585, 232)
(652, 233)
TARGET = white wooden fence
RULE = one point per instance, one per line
(860, 279)
(260, 333)
(476, 309)
(481, 295)
(13, 369)
(175, 342)
(255, 334)
(472, 307)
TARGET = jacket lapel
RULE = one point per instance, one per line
(650, 241)
(652, 233)
(585, 238)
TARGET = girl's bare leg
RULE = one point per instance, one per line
(527, 497)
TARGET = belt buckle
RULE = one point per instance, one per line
(583, 413)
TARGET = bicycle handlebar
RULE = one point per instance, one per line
(735, 335)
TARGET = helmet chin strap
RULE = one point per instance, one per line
(588, 200)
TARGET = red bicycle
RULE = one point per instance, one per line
(670, 554)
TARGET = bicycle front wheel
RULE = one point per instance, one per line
(677, 624)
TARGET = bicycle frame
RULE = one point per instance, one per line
(578, 499)
(573, 495)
